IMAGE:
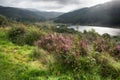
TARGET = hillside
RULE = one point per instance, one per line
(103, 14)
(19, 14)
(29, 52)
(48, 15)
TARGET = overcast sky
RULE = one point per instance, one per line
(52, 5)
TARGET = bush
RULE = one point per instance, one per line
(65, 30)
(3, 20)
(106, 36)
(33, 35)
(116, 52)
(102, 45)
(90, 36)
(22, 35)
(16, 34)
(55, 43)
(83, 48)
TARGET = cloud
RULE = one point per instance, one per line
(60, 1)
(51, 5)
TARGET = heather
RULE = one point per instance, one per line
(43, 51)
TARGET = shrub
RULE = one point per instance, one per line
(116, 51)
(66, 52)
(106, 36)
(33, 35)
(3, 20)
(22, 35)
(65, 30)
(83, 47)
(90, 36)
(102, 45)
(15, 34)
(56, 43)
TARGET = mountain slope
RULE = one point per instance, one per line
(103, 14)
(19, 14)
(48, 15)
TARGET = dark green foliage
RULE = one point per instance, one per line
(21, 36)
(31, 36)
(107, 71)
(64, 29)
(106, 36)
(3, 20)
(37, 73)
(16, 34)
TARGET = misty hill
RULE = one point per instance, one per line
(19, 14)
(103, 14)
(45, 14)
(49, 15)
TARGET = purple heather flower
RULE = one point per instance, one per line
(118, 47)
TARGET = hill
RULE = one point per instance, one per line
(19, 14)
(48, 15)
(102, 14)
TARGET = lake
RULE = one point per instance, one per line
(100, 30)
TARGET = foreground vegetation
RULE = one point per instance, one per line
(45, 52)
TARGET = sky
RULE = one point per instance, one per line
(52, 5)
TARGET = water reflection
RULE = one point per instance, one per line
(100, 30)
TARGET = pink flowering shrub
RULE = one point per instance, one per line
(56, 43)
(101, 45)
(72, 58)
(116, 51)
(83, 47)
(117, 48)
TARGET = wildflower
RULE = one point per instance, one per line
(118, 48)
(55, 43)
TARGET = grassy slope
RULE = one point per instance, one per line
(16, 63)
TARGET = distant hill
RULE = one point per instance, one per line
(48, 15)
(45, 14)
(103, 14)
(19, 14)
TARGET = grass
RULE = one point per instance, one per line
(28, 62)
(16, 62)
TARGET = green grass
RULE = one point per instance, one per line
(16, 63)
(23, 63)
